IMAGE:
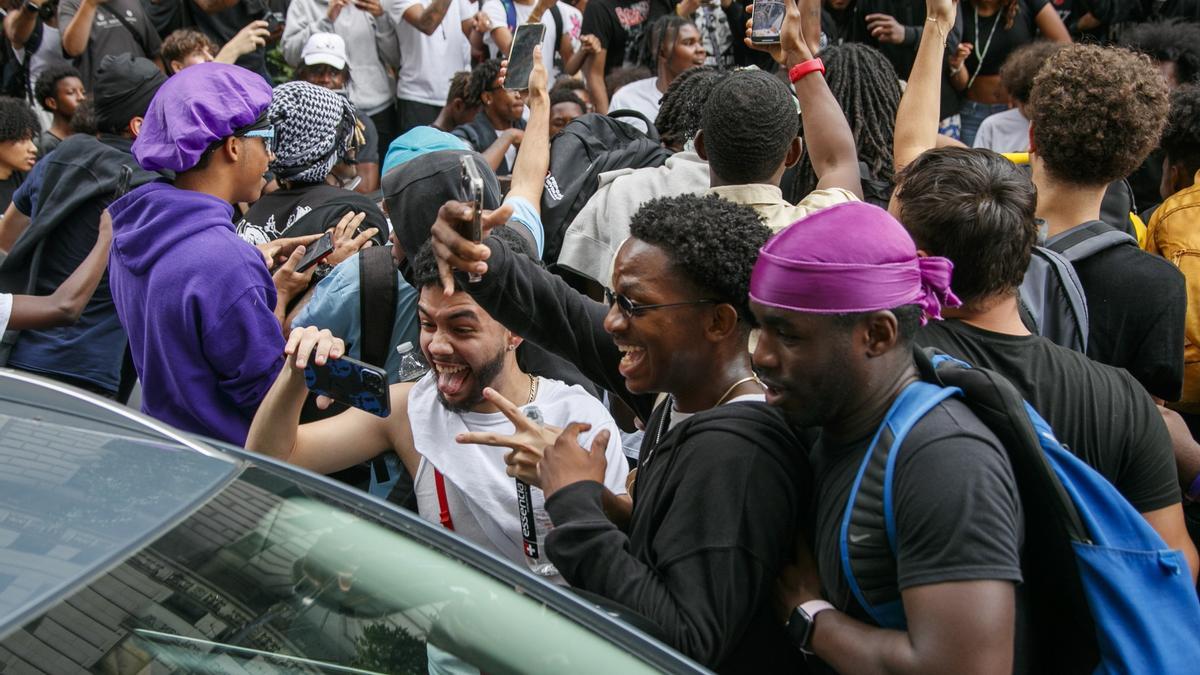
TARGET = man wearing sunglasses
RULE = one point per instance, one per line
(721, 479)
(198, 303)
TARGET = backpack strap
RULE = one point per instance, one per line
(867, 541)
(1087, 240)
(510, 16)
(558, 26)
(1050, 282)
(376, 302)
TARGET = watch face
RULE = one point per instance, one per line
(799, 630)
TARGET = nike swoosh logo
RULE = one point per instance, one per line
(859, 538)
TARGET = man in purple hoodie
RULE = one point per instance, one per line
(197, 302)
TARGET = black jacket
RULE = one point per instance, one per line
(716, 504)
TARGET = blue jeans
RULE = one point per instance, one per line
(973, 114)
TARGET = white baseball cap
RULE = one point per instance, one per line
(326, 48)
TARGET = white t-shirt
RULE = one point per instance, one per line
(572, 18)
(5, 310)
(481, 497)
(430, 61)
(642, 96)
(1004, 132)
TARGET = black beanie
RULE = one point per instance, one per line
(122, 90)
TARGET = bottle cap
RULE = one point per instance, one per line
(405, 347)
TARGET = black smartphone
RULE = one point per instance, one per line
(520, 56)
(319, 251)
(274, 21)
(352, 382)
(768, 21)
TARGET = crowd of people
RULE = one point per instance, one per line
(710, 275)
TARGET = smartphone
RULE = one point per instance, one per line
(768, 21)
(472, 191)
(123, 180)
(319, 251)
(520, 56)
(352, 382)
(274, 21)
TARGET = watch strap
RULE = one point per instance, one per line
(800, 624)
(803, 68)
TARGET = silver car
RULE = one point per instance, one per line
(128, 547)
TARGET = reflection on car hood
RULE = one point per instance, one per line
(73, 500)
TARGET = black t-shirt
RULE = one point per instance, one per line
(307, 209)
(223, 25)
(620, 25)
(8, 186)
(1137, 304)
(958, 513)
(110, 36)
(1099, 412)
(998, 40)
(369, 152)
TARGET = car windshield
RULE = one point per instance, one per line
(272, 576)
(73, 501)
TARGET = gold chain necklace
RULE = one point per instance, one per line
(533, 387)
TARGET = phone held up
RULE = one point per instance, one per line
(472, 191)
(767, 21)
(520, 56)
(352, 382)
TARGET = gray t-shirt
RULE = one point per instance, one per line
(110, 36)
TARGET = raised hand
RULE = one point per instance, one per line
(567, 462)
(312, 343)
(527, 442)
(345, 242)
(454, 251)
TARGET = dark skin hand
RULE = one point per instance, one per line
(566, 462)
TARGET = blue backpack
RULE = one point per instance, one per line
(1102, 587)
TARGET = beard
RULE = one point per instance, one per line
(482, 377)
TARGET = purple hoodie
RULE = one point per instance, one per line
(198, 305)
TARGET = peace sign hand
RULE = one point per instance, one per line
(528, 441)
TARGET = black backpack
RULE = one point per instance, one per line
(1052, 299)
(584, 149)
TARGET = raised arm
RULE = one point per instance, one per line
(827, 134)
(917, 116)
(78, 27)
(533, 161)
(66, 303)
(427, 18)
(19, 24)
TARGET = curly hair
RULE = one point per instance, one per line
(179, 44)
(460, 87)
(679, 115)
(867, 88)
(17, 121)
(1097, 112)
(47, 83)
(1023, 65)
(1181, 138)
(1174, 41)
(712, 242)
(975, 208)
(749, 122)
(482, 77)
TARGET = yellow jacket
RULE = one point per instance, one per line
(1174, 233)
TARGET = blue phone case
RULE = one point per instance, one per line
(352, 382)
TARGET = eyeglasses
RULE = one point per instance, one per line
(267, 134)
(630, 309)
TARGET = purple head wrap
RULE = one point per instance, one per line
(851, 257)
(196, 106)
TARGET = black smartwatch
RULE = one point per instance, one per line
(800, 623)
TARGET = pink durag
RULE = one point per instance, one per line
(847, 258)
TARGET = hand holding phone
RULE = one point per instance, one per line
(767, 21)
(472, 189)
(520, 56)
(316, 253)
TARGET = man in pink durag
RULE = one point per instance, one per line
(838, 296)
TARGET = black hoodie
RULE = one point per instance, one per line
(716, 504)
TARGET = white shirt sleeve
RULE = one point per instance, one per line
(6, 302)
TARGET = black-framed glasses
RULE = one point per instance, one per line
(630, 309)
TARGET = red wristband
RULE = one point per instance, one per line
(799, 70)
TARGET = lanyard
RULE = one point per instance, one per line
(983, 52)
(443, 503)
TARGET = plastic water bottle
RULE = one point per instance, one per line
(412, 366)
(535, 523)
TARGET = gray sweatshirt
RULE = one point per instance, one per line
(371, 48)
